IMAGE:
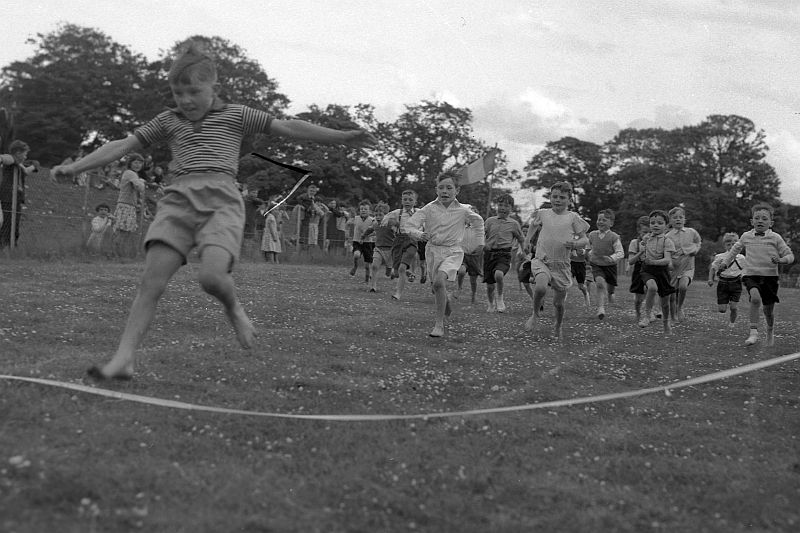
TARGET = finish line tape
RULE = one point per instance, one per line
(715, 376)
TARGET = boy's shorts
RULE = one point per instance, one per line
(494, 260)
(198, 210)
(524, 272)
(607, 272)
(384, 254)
(661, 276)
(474, 264)
(729, 290)
(559, 275)
(637, 284)
(404, 251)
(444, 258)
(767, 286)
(366, 249)
(682, 267)
(578, 271)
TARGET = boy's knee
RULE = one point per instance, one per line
(498, 275)
(211, 282)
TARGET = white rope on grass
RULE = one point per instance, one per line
(714, 376)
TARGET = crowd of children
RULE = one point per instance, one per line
(555, 248)
(203, 209)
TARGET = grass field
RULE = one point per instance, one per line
(723, 456)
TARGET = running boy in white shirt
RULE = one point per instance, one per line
(445, 220)
(729, 286)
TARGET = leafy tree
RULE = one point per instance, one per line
(76, 89)
(582, 164)
(424, 141)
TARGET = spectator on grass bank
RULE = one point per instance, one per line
(126, 223)
(311, 215)
(271, 239)
(335, 221)
(14, 168)
(102, 226)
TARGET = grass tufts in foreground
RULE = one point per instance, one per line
(717, 457)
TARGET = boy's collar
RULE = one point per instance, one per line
(216, 105)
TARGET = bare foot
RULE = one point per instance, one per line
(668, 327)
(245, 332)
(437, 331)
(113, 370)
(531, 323)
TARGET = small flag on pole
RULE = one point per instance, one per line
(478, 170)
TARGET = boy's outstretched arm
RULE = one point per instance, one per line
(107, 153)
(300, 129)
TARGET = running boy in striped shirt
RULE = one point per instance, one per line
(203, 207)
(729, 285)
(764, 250)
(445, 220)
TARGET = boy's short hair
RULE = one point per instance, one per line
(658, 213)
(409, 191)
(676, 209)
(608, 213)
(506, 199)
(643, 220)
(18, 146)
(563, 186)
(102, 206)
(449, 174)
(730, 237)
(366, 203)
(133, 156)
(381, 207)
(762, 206)
(193, 63)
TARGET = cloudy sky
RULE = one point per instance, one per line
(531, 71)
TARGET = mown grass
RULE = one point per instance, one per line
(716, 457)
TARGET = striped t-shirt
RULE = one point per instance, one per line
(210, 145)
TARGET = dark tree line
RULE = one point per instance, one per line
(81, 88)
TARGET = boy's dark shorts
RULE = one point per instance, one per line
(473, 262)
(767, 286)
(607, 272)
(365, 248)
(661, 276)
(637, 285)
(524, 273)
(494, 260)
(404, 250)
(729, 290)
(578, 269)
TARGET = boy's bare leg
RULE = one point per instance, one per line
(161, 263)
(559, 298)
(401, 281)
(769, 317)
(473, 285)
(373, 279)
(491, 307)
(601, 295)
(442, 303)
(218, 282)
(665, 315)
(539, 292)
(498, 280)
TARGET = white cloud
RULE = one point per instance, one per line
(543, 106)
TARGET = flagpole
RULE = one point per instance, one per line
(489, 194)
